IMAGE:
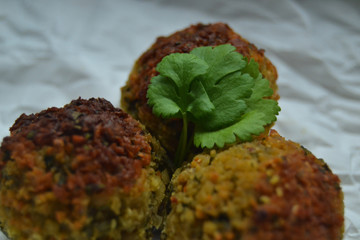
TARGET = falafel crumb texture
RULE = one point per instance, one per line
(268, 189)
(84, 171)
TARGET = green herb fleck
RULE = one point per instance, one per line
(31, 134)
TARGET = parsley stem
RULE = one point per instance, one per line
(181, 149)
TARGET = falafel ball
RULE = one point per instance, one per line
(133, 95)
(84, 171)
(270, 189)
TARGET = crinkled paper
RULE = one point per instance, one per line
(54, 51)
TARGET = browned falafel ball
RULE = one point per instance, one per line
(133, 95)
(269, 189)
(84, 171)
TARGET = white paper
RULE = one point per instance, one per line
(54, 51)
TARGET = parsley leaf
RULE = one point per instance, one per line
(260, 112)
(175, 92)
(218, 90)
(226, 85)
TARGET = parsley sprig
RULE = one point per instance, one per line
(218, 90)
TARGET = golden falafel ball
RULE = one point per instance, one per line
(269, 189)
(84, 171)
(133, 94)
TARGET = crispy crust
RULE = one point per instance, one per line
(269, 189)
(84, 171)
(134, 98)
(79, 128)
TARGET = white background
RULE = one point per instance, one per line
(54, 51)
